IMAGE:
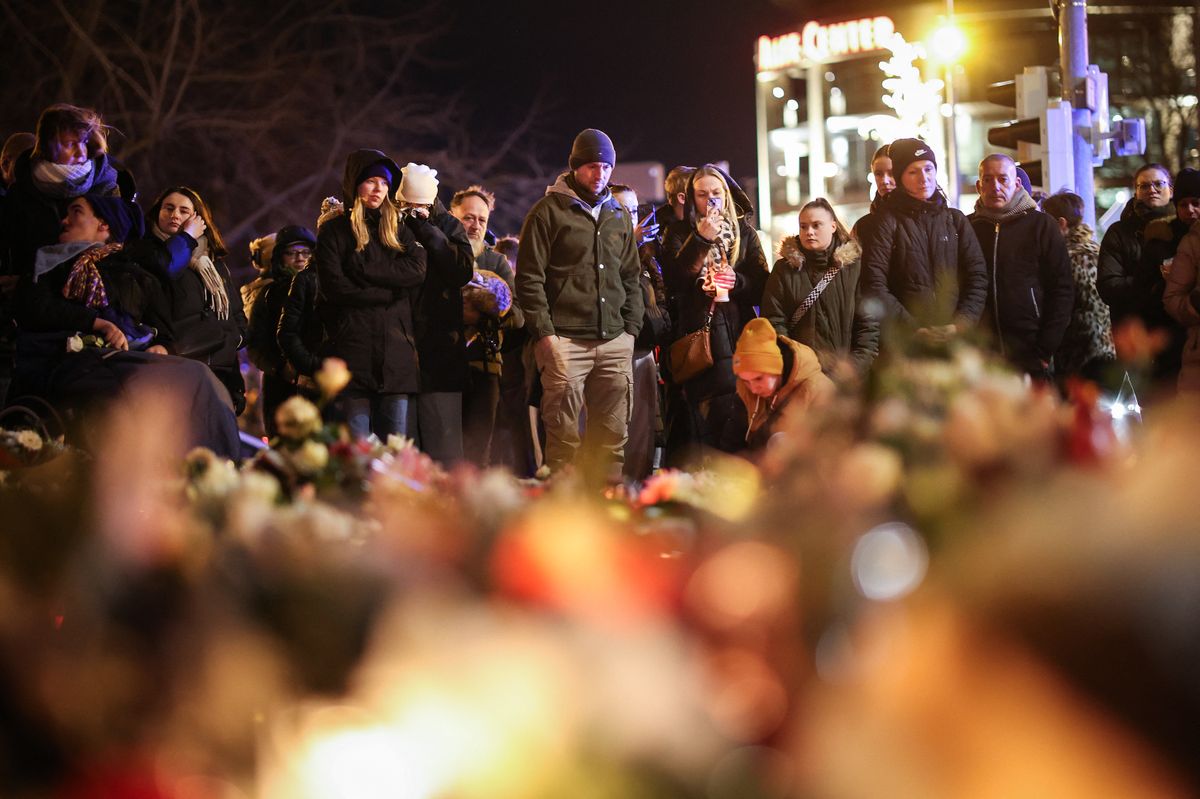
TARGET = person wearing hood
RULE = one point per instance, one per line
(441, 347)
(206, 305)
(369, 268)
(578, 286)
(1160, 240)
(813, 294)
(69, 159)
(775, 374)
(300, 334)
(1030, 290)
(103, 278)
(922, 261)
(264, 298)
(714, 268)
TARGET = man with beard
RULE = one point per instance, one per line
(489, 439)
(578, 285)
(1030, 290)
(441, 349)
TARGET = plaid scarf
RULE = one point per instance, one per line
(84, 284)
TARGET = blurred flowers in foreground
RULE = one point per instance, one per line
(342, 617)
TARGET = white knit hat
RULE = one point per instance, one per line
(418, 185)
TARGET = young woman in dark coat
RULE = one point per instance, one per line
(206, 306)
(921, 259)
(265, 298)
(837, 325)
(715, 256)
(369, 265)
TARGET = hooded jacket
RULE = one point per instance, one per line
(365, 298)
(802, 385)
(577, 272)
(922, 261)
(1030, 289)
(1128, 282)
(839, 324)
(683, 256)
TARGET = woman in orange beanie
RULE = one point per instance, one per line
(774, 373)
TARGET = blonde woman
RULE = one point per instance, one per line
(714, 264)
(368, 266)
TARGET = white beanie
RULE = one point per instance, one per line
(418, 185)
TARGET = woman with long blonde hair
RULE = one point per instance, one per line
(714, 267)
(369, 266)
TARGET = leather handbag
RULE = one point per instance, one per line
(692, 354)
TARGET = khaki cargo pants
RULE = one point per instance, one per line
(593, 372)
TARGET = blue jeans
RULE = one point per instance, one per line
(381, 414)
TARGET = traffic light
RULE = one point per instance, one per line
(1111, 137)
(1041, 133)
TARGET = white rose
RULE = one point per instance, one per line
(310, 457)
(29, 440)
(74, 344)
(297, 418)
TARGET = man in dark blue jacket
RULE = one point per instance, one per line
(1030, 290)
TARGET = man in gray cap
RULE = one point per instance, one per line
(577, 283)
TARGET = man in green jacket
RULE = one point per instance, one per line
(577, 283)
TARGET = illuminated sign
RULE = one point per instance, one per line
(816, 42)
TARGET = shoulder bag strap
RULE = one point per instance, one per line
(811, 299)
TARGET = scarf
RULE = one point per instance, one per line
(1081, 238)
(214, 287)
(820, 259)
(52, 255)
(62, 180)
(591, 199)
(1017, 204)
(84, 284)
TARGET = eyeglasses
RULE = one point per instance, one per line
(1157, 185)
(298, 253)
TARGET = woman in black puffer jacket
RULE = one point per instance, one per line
(368, 268)
(715, 249)
(921, 259)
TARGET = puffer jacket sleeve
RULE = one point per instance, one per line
(751, 268)
(778, 301)
(683, 255)
(237, 310)
(864, 333)
(1116, 277)
(878, 240)
(448, 250)
(533, 253)
(1182, 292)
(1058, 288)
(633, 308)
(335, 252)
(972, 272)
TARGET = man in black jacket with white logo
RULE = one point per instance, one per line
(1030, 290)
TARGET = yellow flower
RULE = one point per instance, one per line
(297, 418)
(29, 440)
(332, 377)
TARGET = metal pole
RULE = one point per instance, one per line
(1073, 42)
(765, 221)
(953, 182)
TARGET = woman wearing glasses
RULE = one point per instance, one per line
(264, 304)
(1135, 256)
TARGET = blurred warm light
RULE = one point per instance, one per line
(743, 582)
(889, 562)
(947, 44)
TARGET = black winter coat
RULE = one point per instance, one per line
(1030, 288)
(449, 263)
(1126, 280)
(300, 333)
(30, 219)
(365, 301)
(838, 325)
(262, 342)
(922, 261)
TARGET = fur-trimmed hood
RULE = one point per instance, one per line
(791, 252)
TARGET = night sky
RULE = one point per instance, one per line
(669, 82)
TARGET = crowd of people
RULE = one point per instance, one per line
(644, 338)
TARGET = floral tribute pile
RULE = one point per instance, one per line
(341, 617)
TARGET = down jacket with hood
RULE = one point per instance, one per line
(922, 261)
(365, 298)
(577, 273)
(802, 385)
(264, 299)
(684, 253)
(839, 325)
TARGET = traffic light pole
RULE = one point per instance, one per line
(1073, 42)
